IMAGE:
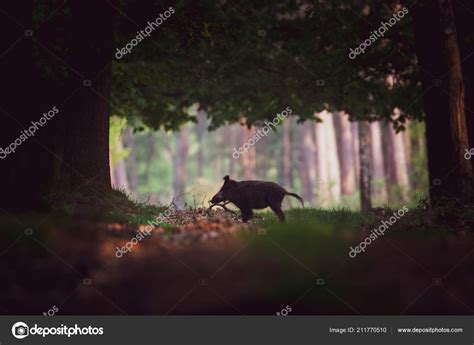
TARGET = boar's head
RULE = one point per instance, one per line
(224, 193)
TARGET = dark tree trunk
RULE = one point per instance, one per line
(86, 148)
(463, 17)
(25, 173)
(365, 166)
(442, 85)
(456, 98)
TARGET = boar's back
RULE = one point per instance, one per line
(258, 194)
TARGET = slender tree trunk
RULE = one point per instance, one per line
(398, 164)
(112, 173)
(262, 161)
(120, 170)
(408, 152)
(365, 166)
(390, 163)
(86, 148)
(333, 161)
(355, 148)
(247, 159)
(131, 160)
(395, 163)
(322, 160)
(150, 153)
(378, 168)
(329, 174)
(287, 166)
(200, 131)
(307, 160)
(232, 134)
(121, 179)
(179, 169)
(346, 154)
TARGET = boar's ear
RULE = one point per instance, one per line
(226, 178)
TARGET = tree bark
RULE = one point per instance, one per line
(456, 98)
(86, 147)
(442, 98)
(365, 166)
(463, 17)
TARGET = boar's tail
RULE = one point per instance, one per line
(297, 197)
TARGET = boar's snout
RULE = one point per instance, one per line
(222, 194)
(217, 198)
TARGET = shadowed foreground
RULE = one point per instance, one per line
(216, 265)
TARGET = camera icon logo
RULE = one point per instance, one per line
(20, 330)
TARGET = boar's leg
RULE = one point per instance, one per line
(247, 214)
(279, 212)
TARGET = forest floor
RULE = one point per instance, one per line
(211, 263)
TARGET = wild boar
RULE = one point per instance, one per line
(249, 195)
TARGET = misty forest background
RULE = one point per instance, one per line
(318, 160)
